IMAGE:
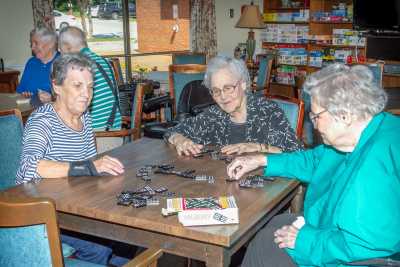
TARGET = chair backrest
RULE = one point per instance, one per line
(377, 71)
(116, 65)
(11, 146)
(264, 72)
(188, 58)
(194, 96)
(29, 234)
(180, 75)
(294, 111)
(137, 109)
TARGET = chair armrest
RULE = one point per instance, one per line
(118, 133)
(147, 258)
(155, 103)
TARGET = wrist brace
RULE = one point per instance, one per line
(82, 168)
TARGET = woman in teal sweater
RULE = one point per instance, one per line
(352, 205)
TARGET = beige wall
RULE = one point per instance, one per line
(227, 35)
(16, 21)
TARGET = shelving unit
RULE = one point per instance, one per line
(316, 27)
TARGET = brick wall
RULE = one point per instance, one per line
(154, 25)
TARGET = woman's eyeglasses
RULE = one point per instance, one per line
(228, 89)
(315, 116)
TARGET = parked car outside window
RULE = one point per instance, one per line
(63, 20)
(113, 10)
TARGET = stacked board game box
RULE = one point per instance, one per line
(205, 211)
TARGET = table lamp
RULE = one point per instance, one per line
(250, 18)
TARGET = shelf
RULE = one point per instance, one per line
(338, 46)
(286, 8)
(276, 43)
(294, 65)
(286, 22)
(331, 22)
(391, 74)
(282, 84)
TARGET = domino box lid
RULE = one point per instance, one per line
(205, 211)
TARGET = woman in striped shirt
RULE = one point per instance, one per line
(58, 139)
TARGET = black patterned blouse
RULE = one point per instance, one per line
(266, 124)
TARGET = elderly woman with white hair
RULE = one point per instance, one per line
(36, 76)
(351, 209)
(240, 122)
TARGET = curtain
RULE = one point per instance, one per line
(43, 13)
(203, 29)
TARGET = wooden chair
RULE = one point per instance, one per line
(11, 146)
(116, 65)
(135, 121)
(377, 70)
(264, 73)
(29, 236)
(394, 111)
(179, 76)
(188, 58)
(293, 109)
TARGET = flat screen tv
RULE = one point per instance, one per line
(376, 15)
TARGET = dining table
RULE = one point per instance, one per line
(89, 204)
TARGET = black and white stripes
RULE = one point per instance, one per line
(47, 137)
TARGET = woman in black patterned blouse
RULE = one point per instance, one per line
(240, 122)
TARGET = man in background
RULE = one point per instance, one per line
(104, 108)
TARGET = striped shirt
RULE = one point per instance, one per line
(103, 97)
(47, 137)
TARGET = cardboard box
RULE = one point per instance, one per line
(205, 211)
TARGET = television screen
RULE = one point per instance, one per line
(376, 15)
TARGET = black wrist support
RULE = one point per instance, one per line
(82, 168)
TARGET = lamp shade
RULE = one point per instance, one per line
(251, 18)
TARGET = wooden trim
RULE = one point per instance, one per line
(116, 65)
(28, 211)
(118, 133)
(134, 133)
(147, 258)
(180, 53)
(15, 112)
(300, 118)
(137, 117)
(146, 54)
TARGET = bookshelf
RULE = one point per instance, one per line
(319, 26)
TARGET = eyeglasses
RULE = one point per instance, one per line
(228, 89)
(315, 116)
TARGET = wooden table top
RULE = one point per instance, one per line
(96, 197)
(9, 101)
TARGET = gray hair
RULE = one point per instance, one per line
(346, 90)
(72, 36)
(45, 34)
(233, 65)
(64, 62)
